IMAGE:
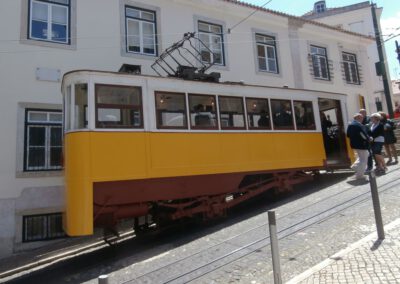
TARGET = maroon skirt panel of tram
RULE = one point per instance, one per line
(145, 190)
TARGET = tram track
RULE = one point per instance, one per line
(257, 245)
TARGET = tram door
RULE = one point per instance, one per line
(333, 132)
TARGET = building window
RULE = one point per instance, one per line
(118, 107)
(203, 112)
(350, 68)
(42, 227)
(320, 63)
(140, 31)
(282, 114)
(258, 113)
(212, 37)
(43, 141)
(171, 110)
(304, 115)
(49, 20)
(319, 7)
(266, 53)
(231, 113)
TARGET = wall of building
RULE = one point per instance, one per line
(360, 21)
(97, 26)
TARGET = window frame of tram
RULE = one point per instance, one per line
(203, 112)
(276, 115)
(133, 113)
(44, 141)
(258, 110)
(141, 21)
(42, 227)
(46, 19)
(168, 111)
(306, 121)
(228, 123)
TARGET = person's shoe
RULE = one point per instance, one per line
(395, 162)
(389, 162)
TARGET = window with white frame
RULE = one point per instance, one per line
(43, 140)
(320, 62)
(212, 37)
(350, 68)
(140, 31)
(266, 53)
(49, 20)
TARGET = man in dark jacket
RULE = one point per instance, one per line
(359, 141)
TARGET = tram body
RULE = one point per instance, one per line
(135, 145)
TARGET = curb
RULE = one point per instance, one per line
(340, 254)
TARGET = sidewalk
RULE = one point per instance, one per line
(366, 261)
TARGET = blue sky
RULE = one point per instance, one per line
(390, 20)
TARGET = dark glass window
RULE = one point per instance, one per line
(49, 20)
(231, 113)
(140, 31)
(320, 62)
(282, 114)
(171, 110)
(203, 112)
(118, 107)
(304, 114)
(258, 116)
(43, 141)
(42, 227)
(350, 68)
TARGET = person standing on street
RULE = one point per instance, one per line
(377, 132)
(359, 141)
(366, 121)
(390, 139)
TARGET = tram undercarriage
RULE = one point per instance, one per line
(128, 203)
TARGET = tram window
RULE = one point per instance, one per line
(81, 101)
(118, 107)
(231, 113)
(203, 112)
(171, 110)
(304, 114)
(258, 113)
(282, 114)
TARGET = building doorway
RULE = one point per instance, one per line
(333, 133)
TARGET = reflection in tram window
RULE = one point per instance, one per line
(231, 113)
(203, 112)
(304, 115)
(81, 101)
(118, 107)
(258, 113)
(282, 114)
(171, 110)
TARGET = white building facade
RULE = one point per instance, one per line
(43, 39)
(358, 18)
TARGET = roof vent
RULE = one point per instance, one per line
(319, 7)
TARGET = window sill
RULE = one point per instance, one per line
(43, 43)
(39, 174)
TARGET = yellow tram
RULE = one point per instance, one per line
(139, 145)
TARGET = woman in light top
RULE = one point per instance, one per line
(377, 134)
